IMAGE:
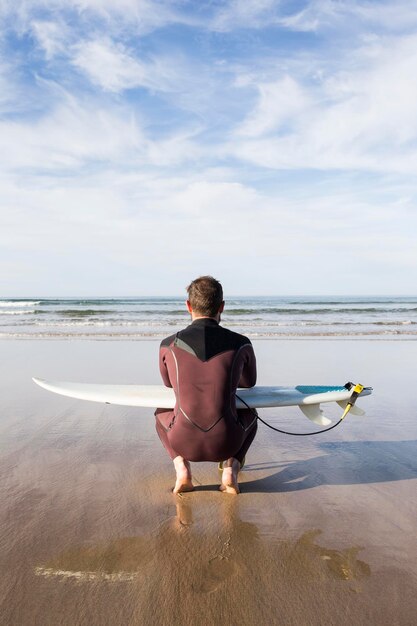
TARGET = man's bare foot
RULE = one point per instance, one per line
(231, 469)
(183, 470)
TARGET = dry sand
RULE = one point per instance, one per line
(324, 531)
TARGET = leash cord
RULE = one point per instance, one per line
(285, 432)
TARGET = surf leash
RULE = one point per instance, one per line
(357, 390)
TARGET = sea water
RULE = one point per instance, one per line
(257, 317)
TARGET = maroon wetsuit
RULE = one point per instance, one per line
(205, 363)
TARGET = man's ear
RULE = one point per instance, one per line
(189, 307)
(221, 307)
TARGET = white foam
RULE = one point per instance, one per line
(17, 312)
(10, 303)
(116, 577)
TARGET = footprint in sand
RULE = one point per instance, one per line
(215, 573)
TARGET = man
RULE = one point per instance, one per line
(205, 363)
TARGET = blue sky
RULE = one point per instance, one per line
(271, 143)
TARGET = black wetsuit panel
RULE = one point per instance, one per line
(207, 338)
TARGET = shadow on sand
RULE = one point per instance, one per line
(343, 463)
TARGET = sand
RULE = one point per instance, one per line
(324, 531)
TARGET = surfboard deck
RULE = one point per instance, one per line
(307, 397)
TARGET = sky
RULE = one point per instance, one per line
(270, 143)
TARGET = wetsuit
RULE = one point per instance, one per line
(205, 363)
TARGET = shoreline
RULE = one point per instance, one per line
(69, 337)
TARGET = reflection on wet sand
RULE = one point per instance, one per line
(320, 563)
(125, 559)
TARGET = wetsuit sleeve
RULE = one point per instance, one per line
(163, 366)
(248, 377)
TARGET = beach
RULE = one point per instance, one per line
(322, 533)
(149, 150)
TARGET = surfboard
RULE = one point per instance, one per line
(307, 397)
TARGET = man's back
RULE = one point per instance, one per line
(205, 363)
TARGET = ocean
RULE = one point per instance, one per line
(257, 317)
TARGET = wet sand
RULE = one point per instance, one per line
(323, 532)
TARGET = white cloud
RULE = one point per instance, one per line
(51, 36)
(362, 117)
(109, 65)
(206, 199)
(70, 136)
(243, 13)
(146, 15)
(180, 148)
(278, 104)
(397, 16)
(318, 14)
(349, 16)
(74, 136)
(141, 225)
(345, 16)
(9, 89)
(114, 68)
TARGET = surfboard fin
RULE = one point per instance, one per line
(315, 414)
(355, 410)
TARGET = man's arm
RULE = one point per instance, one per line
(163, 351)
(248, 377)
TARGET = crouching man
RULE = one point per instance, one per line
(205, 364)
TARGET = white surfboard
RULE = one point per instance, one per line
(308, 398)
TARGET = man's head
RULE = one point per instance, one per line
(205, 297)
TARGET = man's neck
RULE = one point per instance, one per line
(195, 317)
